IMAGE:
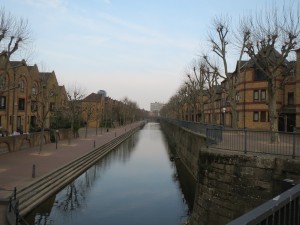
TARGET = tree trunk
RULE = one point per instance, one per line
(232, 99)
(273, 116)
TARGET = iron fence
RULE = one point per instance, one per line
(281, 210)
(200, 128)
(244, 140)
(256, 142)
(12, 215)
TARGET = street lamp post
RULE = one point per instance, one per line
(224, 115)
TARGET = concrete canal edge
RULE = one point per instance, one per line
(229, 184)
(38, 191)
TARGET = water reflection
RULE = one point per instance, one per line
(134, 184)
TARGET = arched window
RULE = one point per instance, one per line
(2, 82)
(33, 89)
(22, 85)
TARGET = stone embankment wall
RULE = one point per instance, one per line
(23, 141)
(228, 183)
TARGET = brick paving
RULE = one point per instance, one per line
(16, 167)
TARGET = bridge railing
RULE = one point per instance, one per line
(283, 209)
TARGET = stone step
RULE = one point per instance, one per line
(38, 191)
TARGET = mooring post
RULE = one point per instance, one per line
(33, 171)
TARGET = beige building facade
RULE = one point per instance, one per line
(26, 97)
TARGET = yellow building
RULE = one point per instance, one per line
(251, 101)
(26, 97)
(93, 109)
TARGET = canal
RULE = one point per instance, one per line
(134, 184)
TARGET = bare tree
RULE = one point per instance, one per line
(220, 40)
(74, 109)
(13, 34)
(90, 111)
(211, 74)
(197, 82)
(274, 35)
(41, 107)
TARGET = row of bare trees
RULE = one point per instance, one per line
(267, 39)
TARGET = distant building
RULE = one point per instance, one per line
(155, 108)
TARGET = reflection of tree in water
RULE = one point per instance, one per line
(73, 197)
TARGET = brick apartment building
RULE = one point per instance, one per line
(251, 101)
(27, 96)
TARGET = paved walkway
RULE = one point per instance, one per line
(16, 167)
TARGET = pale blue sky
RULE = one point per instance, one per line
(133, 48)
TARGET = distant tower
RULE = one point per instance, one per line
(102, 92)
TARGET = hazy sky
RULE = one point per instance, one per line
(133, 48)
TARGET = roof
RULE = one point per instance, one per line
(17, 63)
(45, 76)
(93, 98)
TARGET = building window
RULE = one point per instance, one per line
(263, 95)
(291, 98)
(259, 75)
(263, 116)
(52, 106)
(21, 105)
(34, 106)
(256, 95)
(2, 83)
(3, 102)
(255, 116)
(21, 85)
(237, 97)
(33, 90)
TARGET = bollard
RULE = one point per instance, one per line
(294, 142)
(15, 193)
(94, 143)
(10, 204)
(115, 134)
(17, 217)
(33, 171)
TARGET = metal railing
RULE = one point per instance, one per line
(256, 142)
(281, 210)
(244, 140)
(12, 215)
(200, 128)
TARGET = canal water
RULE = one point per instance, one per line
(135, 184)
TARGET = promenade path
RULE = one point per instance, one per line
(16, 167)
